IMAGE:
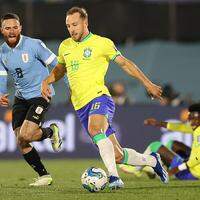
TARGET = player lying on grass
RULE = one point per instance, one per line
(181, 160)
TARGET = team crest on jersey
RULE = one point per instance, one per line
(87, 52)
(25, 57)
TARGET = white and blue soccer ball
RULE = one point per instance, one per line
(94, 179)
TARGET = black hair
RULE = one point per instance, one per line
(194, 107)
(9, 16)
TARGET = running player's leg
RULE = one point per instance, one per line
(100, 110)
(29, 153)
(131, 157)
(166, 154)
(31, 130)
(97, 127)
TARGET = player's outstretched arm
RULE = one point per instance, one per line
(56, 74)
(172, 126)
(154, 122)
(130, 68)
(4, 101)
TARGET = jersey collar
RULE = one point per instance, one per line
(86, 37)
(20, 41)
(18, 44)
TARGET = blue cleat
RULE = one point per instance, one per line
(115, 183)
(159, 169)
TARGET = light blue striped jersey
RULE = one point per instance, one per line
(27, 64)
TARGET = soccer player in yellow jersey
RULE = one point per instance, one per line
(84, 58)
(181, 160)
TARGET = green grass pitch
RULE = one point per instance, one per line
(15, 175)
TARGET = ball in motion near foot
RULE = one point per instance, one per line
(94, 179)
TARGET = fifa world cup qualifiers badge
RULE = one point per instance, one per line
(87, 53)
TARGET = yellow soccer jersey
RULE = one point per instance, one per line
(194, 159)
(86, 63)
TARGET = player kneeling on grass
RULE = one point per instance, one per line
(181, 160)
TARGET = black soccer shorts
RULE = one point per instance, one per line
(32, 109)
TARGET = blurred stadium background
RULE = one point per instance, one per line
(161, 36)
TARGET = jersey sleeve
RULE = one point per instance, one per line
(45, 55)
(109, 50)
(3, 79)
(184, 128)
(60, 55)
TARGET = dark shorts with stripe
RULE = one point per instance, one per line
(31, 109)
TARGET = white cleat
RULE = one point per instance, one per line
(115, 183)
(44, 180)
(56, 141)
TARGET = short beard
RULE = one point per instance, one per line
(12, 44)
(79, 39)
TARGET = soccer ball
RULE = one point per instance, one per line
(94, 179)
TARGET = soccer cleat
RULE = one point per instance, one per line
(159, 169)
(115, 183)
(42, 181)
(56, 141)
(130, 170)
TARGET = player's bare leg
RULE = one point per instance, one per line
(166, 155)
(179, 148)
(33, 159)
(97, 127)
(31, 131)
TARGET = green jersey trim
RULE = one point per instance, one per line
(86, 37)
(115, 56)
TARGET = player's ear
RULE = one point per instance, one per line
(20, 28)
(1, 29)
(86, 22)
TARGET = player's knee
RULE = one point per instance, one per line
(119, 158)
(22, 139)
(24, 136)
(94, 129)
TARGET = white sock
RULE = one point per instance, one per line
(107, 154)
(147, 150)
(131, 157)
